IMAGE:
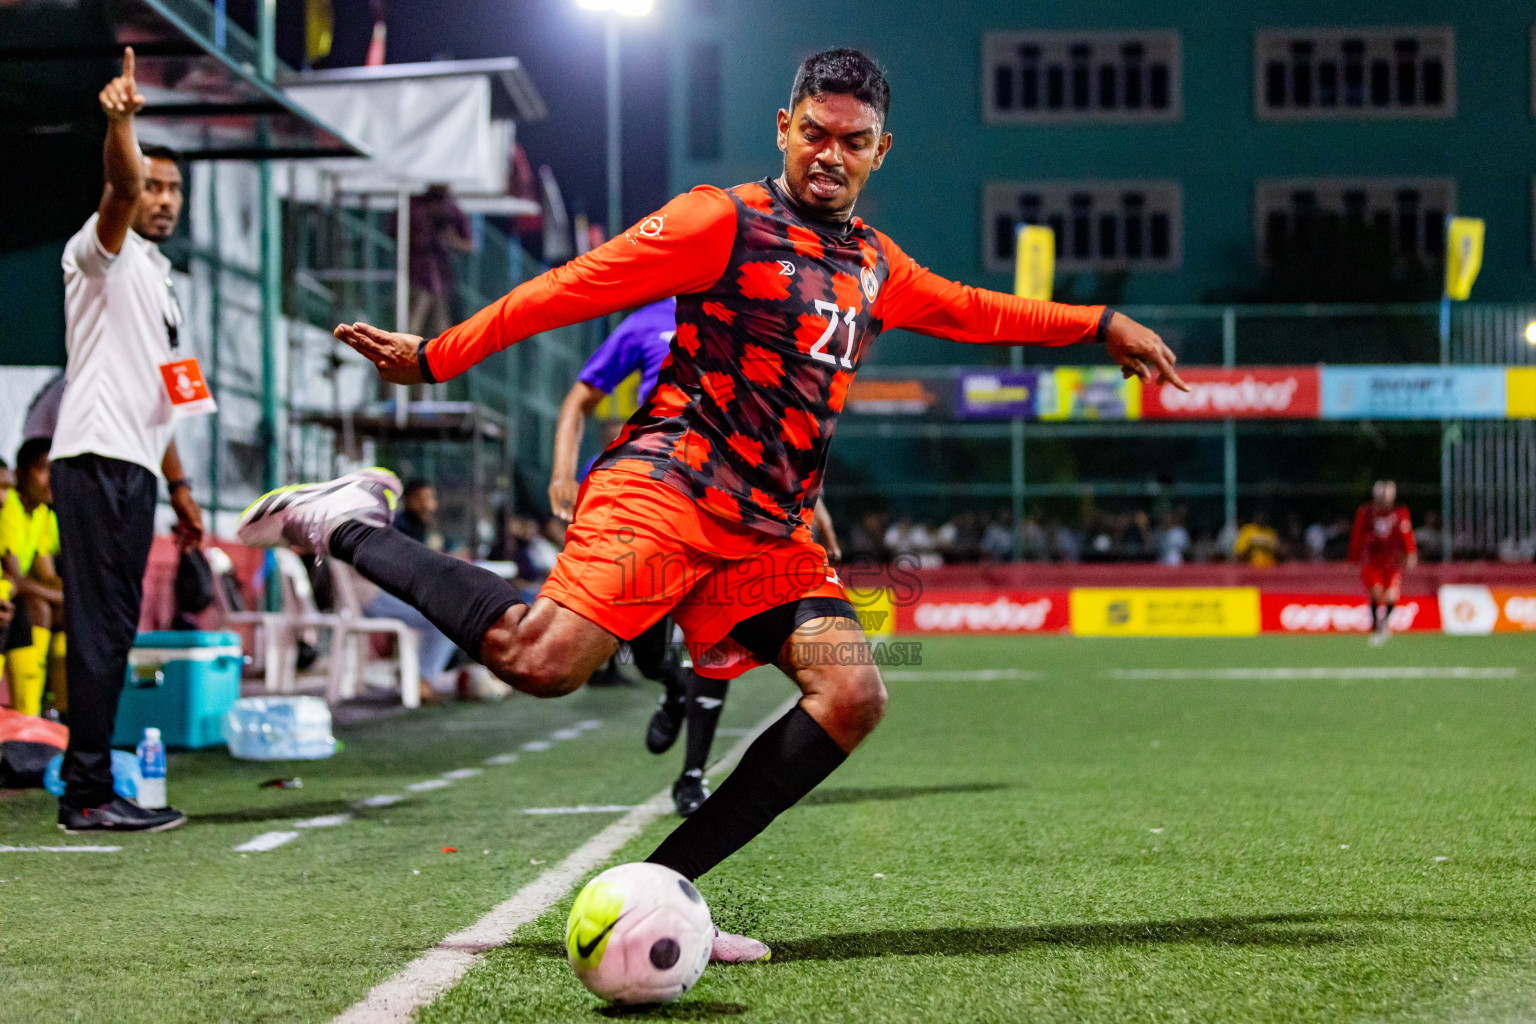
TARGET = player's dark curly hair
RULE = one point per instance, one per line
(158, 152)
(850, 72)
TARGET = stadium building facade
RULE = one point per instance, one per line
(1179, 148)
(1215, 171)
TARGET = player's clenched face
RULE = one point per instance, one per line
(831, 143)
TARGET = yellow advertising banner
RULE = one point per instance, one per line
(1034, 269)
(1463, 255)
(1148, 611)
(876, 610)
(1088, 393)
(1520, 392)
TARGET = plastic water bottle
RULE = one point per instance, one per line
(279, 729)
(151, 770)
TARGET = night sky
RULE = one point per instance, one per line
(561, 45)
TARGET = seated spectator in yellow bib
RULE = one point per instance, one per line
(29, 540)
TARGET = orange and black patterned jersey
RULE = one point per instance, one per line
(775, 312)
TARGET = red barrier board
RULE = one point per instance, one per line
(985, 611)
(1343, 613)
(1250, 392)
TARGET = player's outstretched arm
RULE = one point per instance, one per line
(683, 247)
(1139, 352)
(917, 299)
(396, 356)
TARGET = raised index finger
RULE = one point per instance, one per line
(128, 62)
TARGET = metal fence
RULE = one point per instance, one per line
(1478, 475)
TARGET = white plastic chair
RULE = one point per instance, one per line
(277, 633)
(353, 629)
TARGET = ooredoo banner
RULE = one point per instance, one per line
(985, 611)
(1342, 613)
(1252, 392)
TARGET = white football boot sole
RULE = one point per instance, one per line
(303, 515)
(738, 949)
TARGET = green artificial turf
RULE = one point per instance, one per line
(1079, 847)
(1068, 846)
(179, 927)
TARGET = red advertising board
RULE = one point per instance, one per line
(1342, 613)
(985, 611)
(1249, 392)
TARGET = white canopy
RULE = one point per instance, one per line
(424, 123)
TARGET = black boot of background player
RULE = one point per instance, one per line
(689, 791)
(667, 722)
(118, 816)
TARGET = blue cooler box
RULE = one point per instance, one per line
(181, 683)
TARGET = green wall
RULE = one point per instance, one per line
(928, 195)
(32, 306)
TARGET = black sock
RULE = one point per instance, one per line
(1387, 619)
(782, 765)
(462, 600)
(706, 698)
(1374, 616)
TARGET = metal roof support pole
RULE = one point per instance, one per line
(615, 132)
(271, 261)
(1229, 425)
(215, 338)
(402, 290)
(1016, 463)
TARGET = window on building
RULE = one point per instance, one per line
(1081, 76)
(1401, 217)
(704, 112)
(1099, 225)
(1355, 73)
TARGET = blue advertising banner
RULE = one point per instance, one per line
(1001, 395)
(1413, 392)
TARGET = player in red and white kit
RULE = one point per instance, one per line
(1384, 545)
(702, 506)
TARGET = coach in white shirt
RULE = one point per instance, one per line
(112, 441)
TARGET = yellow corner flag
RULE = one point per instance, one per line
(1463, 255)
(319, 29)
(1035, 270)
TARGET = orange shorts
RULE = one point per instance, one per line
(639, 550)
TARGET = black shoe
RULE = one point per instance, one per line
(666, 723)
(118, 816)
(689, 791)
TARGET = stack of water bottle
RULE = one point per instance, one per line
(280, 729)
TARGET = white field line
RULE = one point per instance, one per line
(420, 982)
(60, 849)
(536, 745)
(1397, 672)
(581, 809)
(981, 675)
(272, 840)
(324, 821)
(266, 841)
(382, 800)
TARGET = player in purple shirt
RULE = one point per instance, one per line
(641, 343)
